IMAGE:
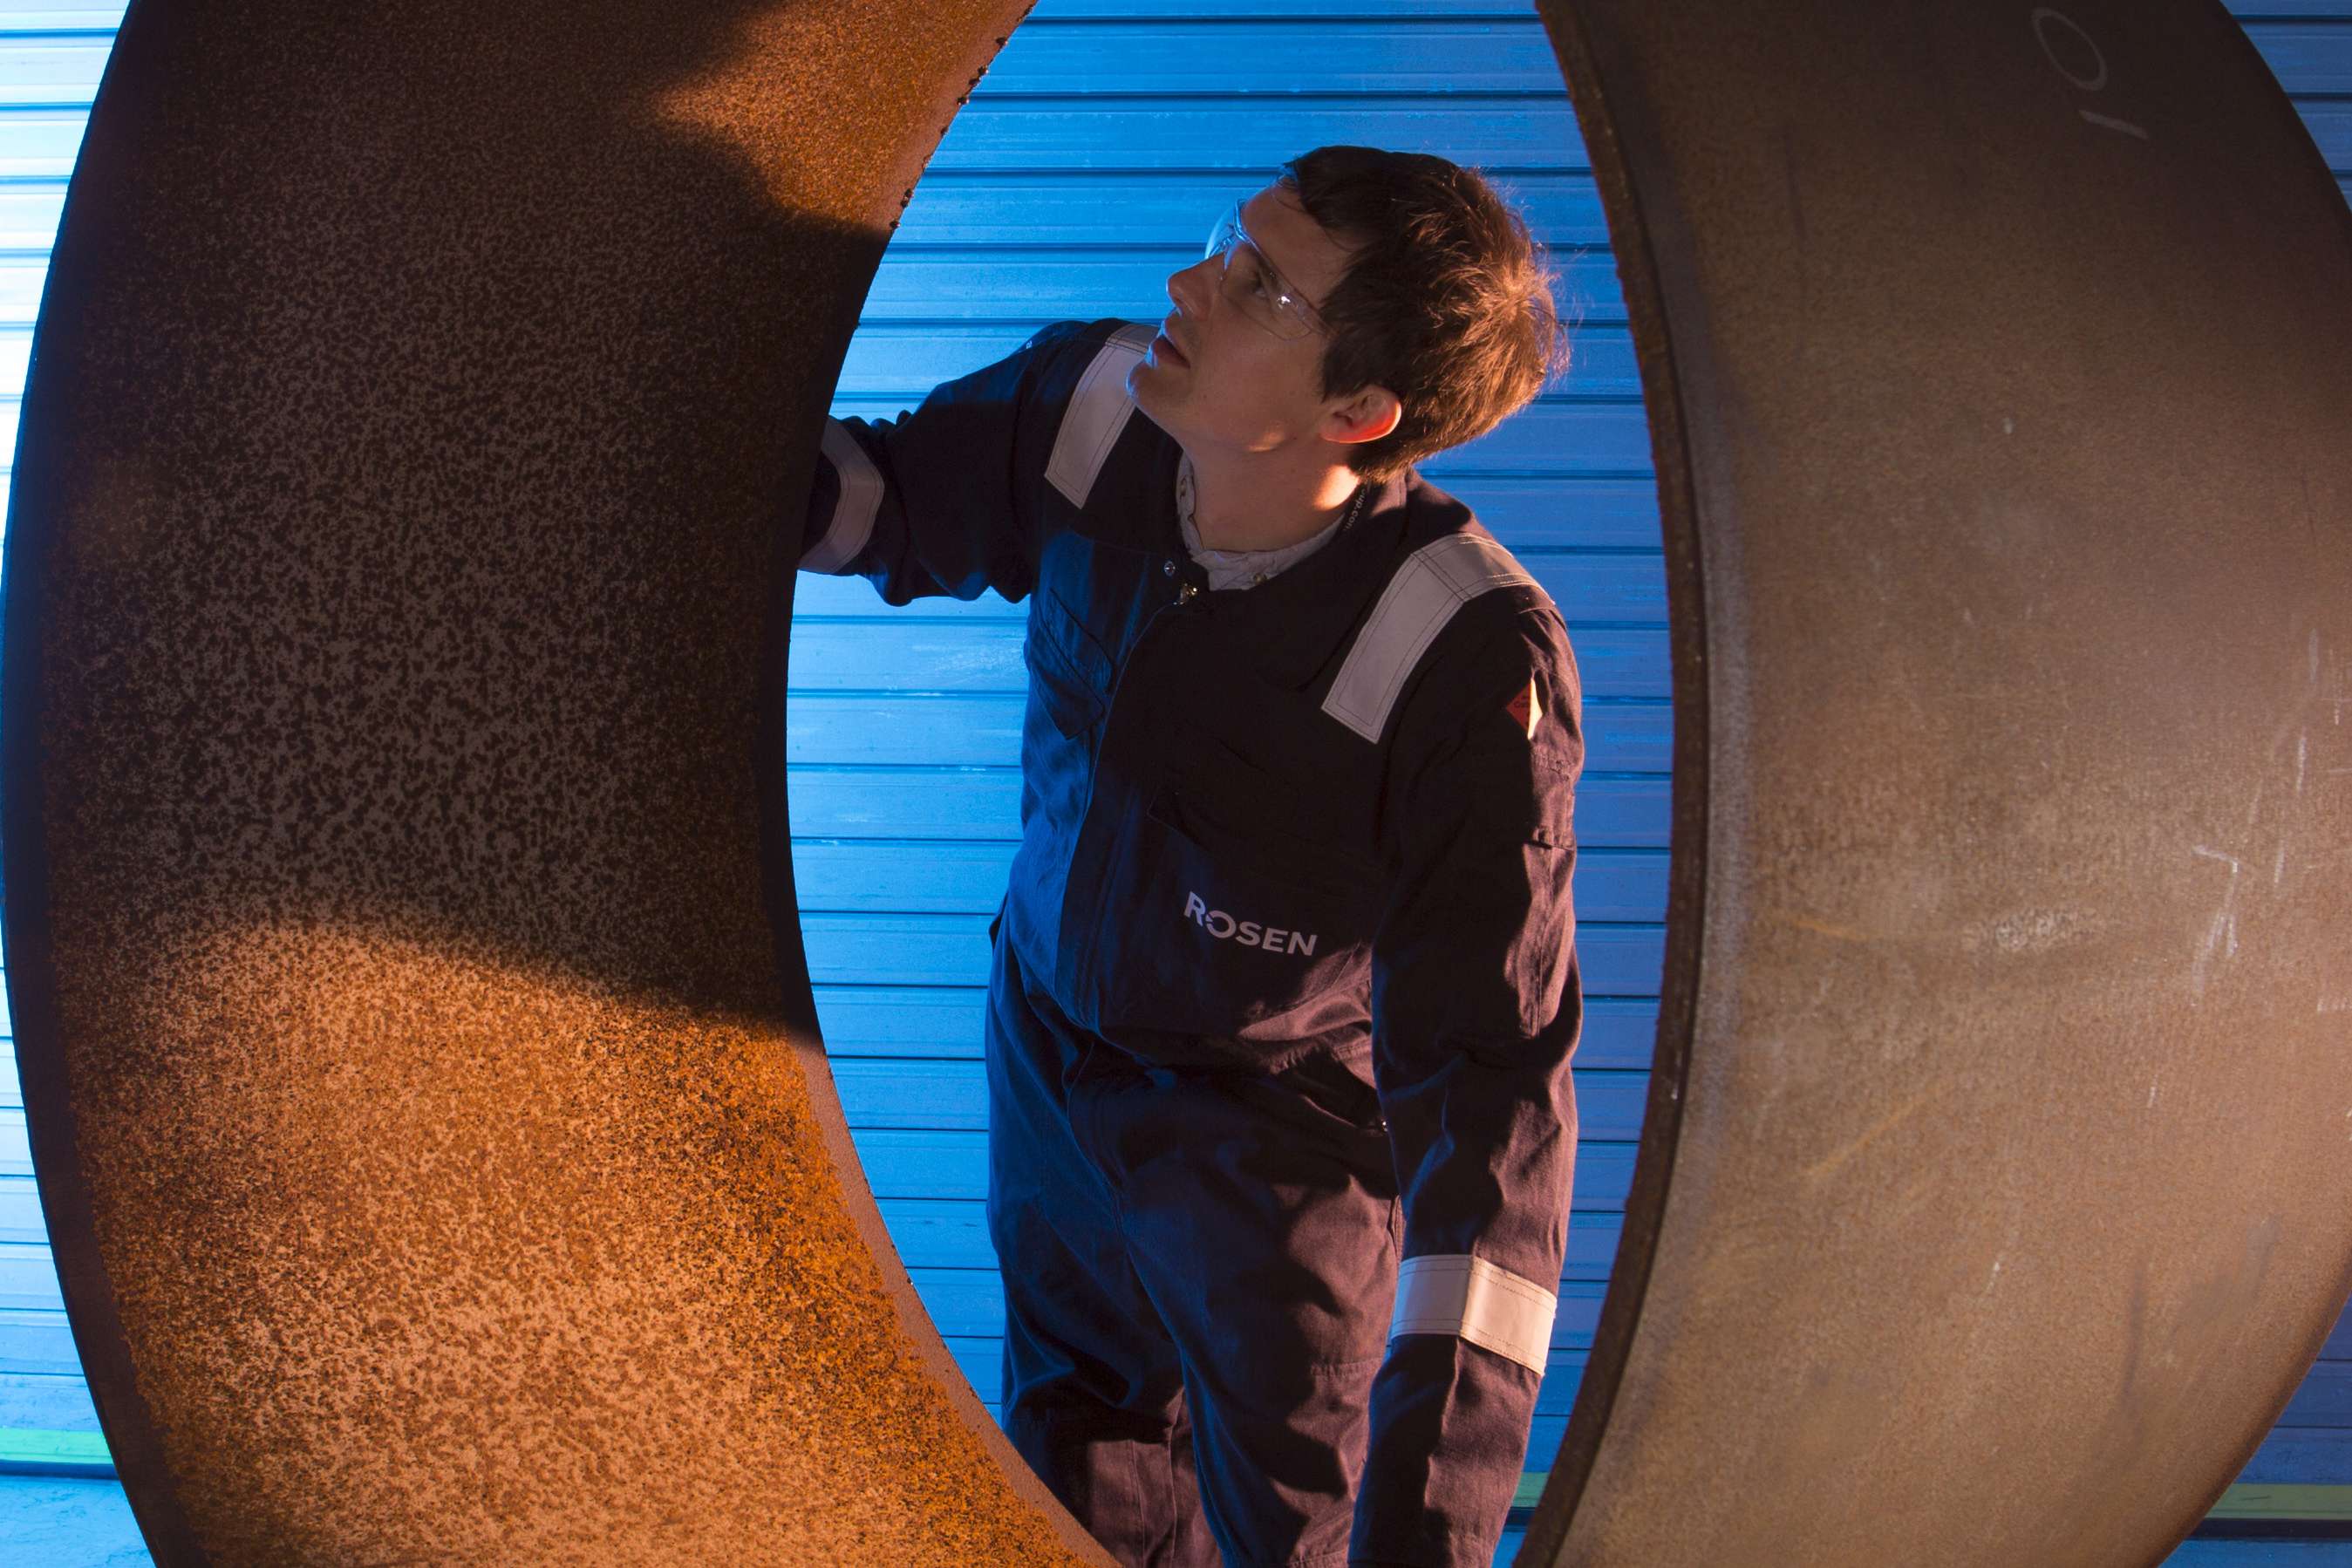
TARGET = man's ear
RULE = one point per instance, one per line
(1367, 415)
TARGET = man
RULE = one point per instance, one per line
(1283, 993)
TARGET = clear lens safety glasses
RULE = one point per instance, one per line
(1251, 284)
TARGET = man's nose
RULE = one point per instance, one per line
(1190, 287)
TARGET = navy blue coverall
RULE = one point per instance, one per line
(1284, 991)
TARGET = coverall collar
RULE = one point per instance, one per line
(1302, 615)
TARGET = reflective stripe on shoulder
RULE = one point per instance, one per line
(1457, 1293)
(1434, 582)
(1098, 411)
(854, 509)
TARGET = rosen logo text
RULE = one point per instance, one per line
(1249, 933)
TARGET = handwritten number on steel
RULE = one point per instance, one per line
(2076, 54)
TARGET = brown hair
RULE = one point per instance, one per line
(1446, 300)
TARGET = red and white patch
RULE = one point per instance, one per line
(1525, 709)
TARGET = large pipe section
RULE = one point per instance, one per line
(427, 1100)
(1992, 1198)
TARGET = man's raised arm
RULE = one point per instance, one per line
(940, 501)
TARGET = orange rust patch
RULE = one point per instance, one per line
(418, 410)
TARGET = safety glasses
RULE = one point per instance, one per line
(1251, 285)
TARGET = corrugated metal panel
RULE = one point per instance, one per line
(1084, 170)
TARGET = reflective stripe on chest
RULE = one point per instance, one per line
(1434, 582)
(1098, 411)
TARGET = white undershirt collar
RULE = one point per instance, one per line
(1241, 568)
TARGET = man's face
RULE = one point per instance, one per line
(1227, 381)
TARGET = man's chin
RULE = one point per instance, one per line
(1145, 398)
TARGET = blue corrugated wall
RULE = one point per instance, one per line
(1086, 169)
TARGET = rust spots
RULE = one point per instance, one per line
(419, 402)
(436, 1256)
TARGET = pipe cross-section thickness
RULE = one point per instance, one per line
(421, 1070)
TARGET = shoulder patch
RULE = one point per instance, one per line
(1434, 582)
(1525, 709)
(1098, 411)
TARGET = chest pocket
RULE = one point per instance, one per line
(1069, 693)
(1070, 675)
(1255, 831)
(1230, 921)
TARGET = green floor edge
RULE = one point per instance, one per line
(30, 1451)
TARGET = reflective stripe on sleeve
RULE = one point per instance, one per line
(853, 510)
(1457, 1293)
(1434, 582)
(1098, 411)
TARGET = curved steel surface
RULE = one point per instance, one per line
(1994, 1196)
(416, 1042)
(419, 1057)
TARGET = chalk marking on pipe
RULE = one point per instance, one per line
(1831, 1162)
(1843, 933)
(2222, 932)
(2111, 123)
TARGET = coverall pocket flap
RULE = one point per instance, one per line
(1069, 673)
(1222, 829)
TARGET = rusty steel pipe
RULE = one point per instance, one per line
(1992, 1199)
(424, 1086)
(431, 1119)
